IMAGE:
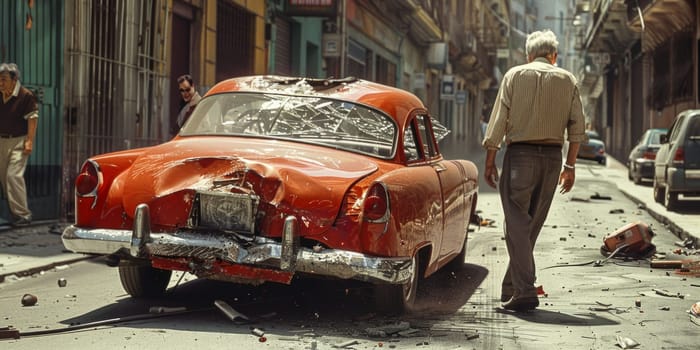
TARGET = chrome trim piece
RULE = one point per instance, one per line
(260, 251)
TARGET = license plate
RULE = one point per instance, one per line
(227, 211)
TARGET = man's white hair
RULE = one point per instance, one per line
(541, 43)
(11, 69)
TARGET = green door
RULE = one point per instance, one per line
(33, 38)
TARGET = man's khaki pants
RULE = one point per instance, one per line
(13, 161)
(528, 181)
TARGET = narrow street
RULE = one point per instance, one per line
(584, 306)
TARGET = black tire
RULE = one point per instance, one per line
(637, 180)
(659, 192)
(399, 298)
(141, 280)
(670, 200)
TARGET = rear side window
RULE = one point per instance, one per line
(694, 127)
(676, 129)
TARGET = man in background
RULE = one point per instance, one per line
(19, 114)
(189, 99)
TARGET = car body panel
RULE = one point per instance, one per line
(672, 174)
(593, 149)
(263, 202)
(641, 158)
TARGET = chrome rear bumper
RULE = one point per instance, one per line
(254, 251)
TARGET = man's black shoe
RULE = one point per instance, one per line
(21, 222)
(522, 304)
(505, 297)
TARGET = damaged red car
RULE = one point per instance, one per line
(273, 177)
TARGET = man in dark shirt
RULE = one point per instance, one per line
(19, 114)
(190, 98)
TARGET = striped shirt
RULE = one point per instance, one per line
(537, 103)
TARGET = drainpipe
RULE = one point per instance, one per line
(343, 36)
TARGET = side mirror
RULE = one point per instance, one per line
(663, 138)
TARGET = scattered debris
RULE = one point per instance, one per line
(665, 308)
(385, 331)
(695, 313)
(257, 332)
(563, 239)
(666, 264)
(668, 294)
(577, 199)
(62, 282)
(29, 300)
(472, 335)
(631, 240)
(9, 332)
(346, 344)
(638, 303)
(165, 309)
(617, 211)
(598, 196)
(227, 310)
(626, 343)
(686, 243)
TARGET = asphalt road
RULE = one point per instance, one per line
(585, 307)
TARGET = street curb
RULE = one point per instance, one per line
(673, 227)
(32, 270)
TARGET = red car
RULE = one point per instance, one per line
(275, 176)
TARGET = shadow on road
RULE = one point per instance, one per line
(305, 303)
(559, 318)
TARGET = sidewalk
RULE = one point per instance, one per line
(29, 250)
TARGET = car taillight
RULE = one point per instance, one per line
(651, 155)
(679, 157)
(376, 204)
(88, 180)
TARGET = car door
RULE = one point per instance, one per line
(451, 178)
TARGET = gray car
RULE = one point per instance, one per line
(677, 164)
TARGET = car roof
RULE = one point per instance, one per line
(393, 101)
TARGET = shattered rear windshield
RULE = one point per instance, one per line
(334, 123)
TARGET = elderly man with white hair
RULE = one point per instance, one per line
(19, 114)
(536, 104)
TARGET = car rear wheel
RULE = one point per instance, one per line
(399, 298)
(658, 192)
(142, 280)
(671, 200)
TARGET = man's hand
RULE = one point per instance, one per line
(491, 175)
(28, 146)
(566, 180)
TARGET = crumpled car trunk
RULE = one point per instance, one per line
(308, 182)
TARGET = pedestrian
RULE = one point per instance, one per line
(189, 99)
(536, 104)
(19, 114)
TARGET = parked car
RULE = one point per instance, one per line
(640, 163)
(677, 164)
(273, 177)
(593, 149)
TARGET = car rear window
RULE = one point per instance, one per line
(334, 123)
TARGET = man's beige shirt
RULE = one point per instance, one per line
(536, 103)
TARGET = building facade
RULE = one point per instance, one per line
(641, 66)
